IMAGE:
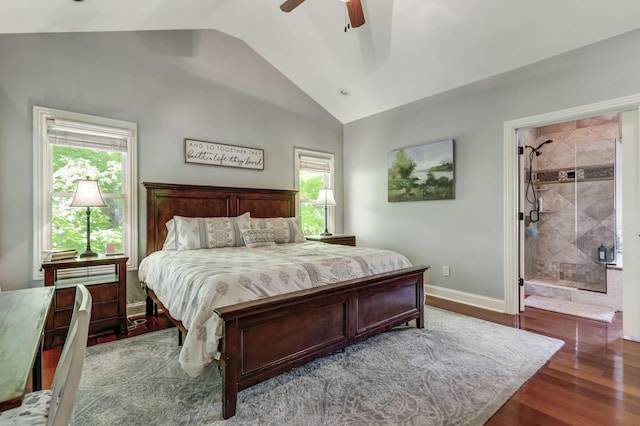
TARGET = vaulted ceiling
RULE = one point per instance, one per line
(406, 50)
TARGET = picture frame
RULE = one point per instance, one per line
(422, 173)
(220, 154)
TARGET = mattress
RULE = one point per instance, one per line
(191, 284)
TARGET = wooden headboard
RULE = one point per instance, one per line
(165, 200)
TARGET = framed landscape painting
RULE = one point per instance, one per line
(420, 173)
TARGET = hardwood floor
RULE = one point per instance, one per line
(594, 379)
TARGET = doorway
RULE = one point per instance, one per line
(572, 248)
(630, 123)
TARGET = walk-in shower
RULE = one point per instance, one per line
(569, 197)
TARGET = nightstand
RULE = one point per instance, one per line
(345, 240)
(108, 290)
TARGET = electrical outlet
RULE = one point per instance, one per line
(445, 270)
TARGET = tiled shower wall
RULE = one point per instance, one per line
(575, 179)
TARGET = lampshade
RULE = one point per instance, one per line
(87, 194)
(325, 197)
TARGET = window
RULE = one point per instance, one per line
(70, 146)
(314, 171)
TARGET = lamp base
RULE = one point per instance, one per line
(326, 234)
(89, 253)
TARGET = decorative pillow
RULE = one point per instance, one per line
(258, 237)
(170, 241)
(193, 233)
(285, 229)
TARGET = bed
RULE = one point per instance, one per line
(263, 338)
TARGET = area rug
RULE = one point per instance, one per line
(597, 313)
(456, 371)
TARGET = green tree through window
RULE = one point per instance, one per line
(68, 224)
(312, 216)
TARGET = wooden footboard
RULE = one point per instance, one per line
(264, 338)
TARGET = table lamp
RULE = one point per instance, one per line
(325, 196)
(88, 195)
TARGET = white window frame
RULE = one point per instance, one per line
(320, 156)
(42, 183)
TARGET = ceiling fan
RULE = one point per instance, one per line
(356, 15)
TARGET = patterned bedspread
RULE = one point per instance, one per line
(191, 284)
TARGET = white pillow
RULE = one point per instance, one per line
(170, 241)
(193, 233)
(285, 229)
(258, 237)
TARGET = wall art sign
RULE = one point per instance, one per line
(423, 172)
(219, 154)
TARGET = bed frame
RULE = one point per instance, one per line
(264, 338)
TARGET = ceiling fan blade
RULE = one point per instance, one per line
(289, 5)
(356, 15)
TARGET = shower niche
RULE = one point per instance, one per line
(570, 207)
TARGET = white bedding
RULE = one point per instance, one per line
(191, 284)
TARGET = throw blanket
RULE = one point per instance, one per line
(191, 284)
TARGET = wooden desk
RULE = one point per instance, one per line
(22, 317)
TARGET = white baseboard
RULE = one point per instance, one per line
(471, 299)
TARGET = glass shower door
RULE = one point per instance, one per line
(595, 213)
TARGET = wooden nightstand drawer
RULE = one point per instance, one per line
(62, 319)
(99, 293)
(104, 311)
(99, 312)
(64, 298)
(104, 292)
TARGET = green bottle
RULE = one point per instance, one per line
(602, 253)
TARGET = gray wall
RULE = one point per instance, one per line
(175, 85)
(206, 85)
(467, 233)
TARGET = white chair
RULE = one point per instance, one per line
(54, 407)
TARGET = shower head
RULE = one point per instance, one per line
(536, 150)
(544, 143)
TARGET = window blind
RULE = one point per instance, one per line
(84, 135)
(314, 164)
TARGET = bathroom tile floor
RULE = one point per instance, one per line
(597, 287)
(561, 283)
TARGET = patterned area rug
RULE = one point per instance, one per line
(598, 313)
(456, 371)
